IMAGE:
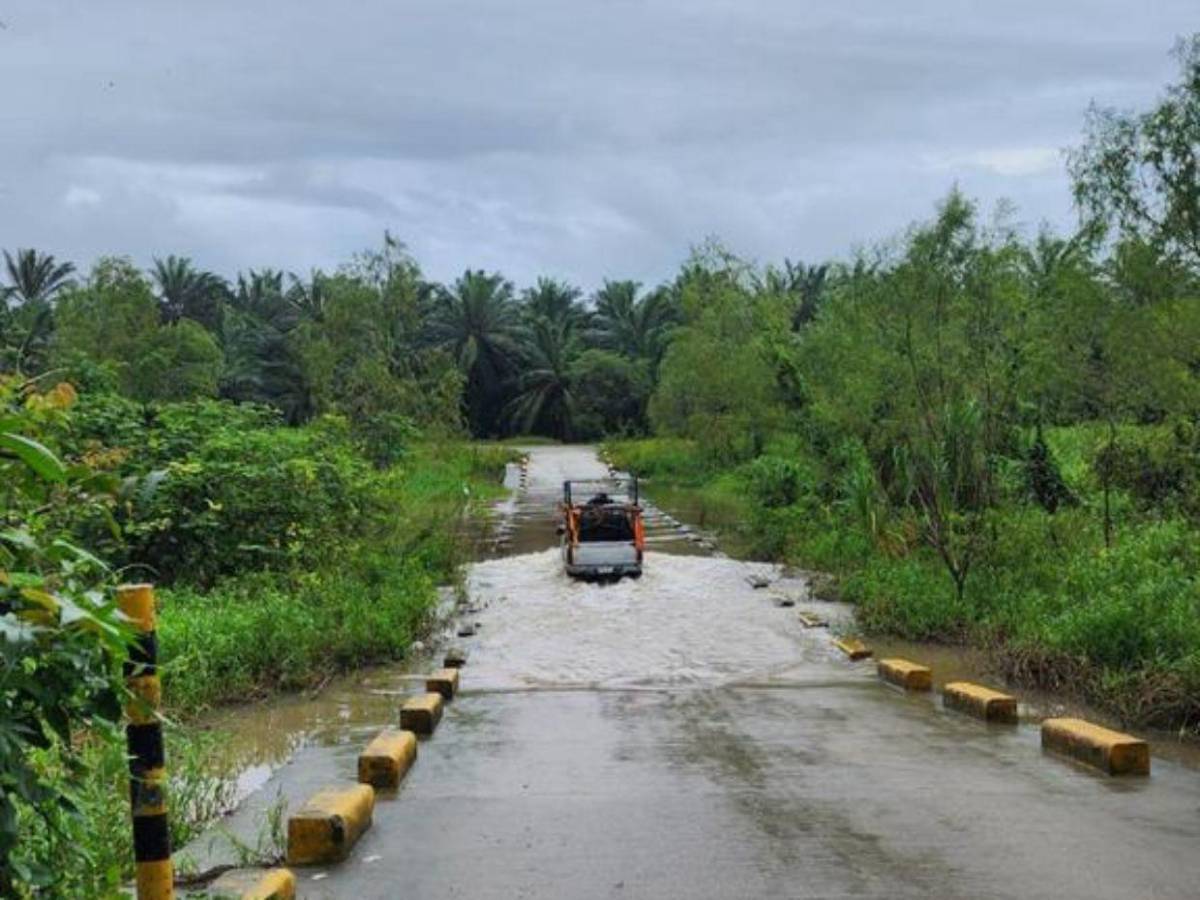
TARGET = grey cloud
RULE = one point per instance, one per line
(551, 136)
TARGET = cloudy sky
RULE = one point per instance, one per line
(560, 137)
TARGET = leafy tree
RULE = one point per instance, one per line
(1139, 172)
(182, 362)
(477, 321)
(110, 319)
(359, 361)
(717, 384)
(113, 320)
(611, 392)
(185, 292)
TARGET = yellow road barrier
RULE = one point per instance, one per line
(811, 619)
(329, 824)
(980, 702)
(1111, 751)
(421, 714)
(853, 648)
(155, 874)
(387, 759)
(444, 682)
(255, 884)
(906, 674)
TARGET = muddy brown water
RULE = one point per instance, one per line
(682, 735)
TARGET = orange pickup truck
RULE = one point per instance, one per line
(603, 535)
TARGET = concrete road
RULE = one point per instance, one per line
(684, 737)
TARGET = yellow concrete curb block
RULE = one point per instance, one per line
(455, 658)
(329, 824)
(421, 714)
(387, 759)
(906, 674)
(853, 648)
(1112, 751)
(444, 682)
(811, 620)
(255, 884)
(980, 702)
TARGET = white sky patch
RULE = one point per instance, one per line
(1010, 162)
(77, 196)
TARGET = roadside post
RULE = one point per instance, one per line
(144, 740)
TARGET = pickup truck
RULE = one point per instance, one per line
(603, 535)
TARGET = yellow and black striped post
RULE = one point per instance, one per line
(143, 735)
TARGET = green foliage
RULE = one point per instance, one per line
(112, 321)
(265, 632)
(109, 319)
(545, 399)
(181, 361)
(477, 321)
(293, 556)
(61, 639)
(95, 836)
(610, 393)
(775, 481)
(1138, 172)
(729, 408)
(187, 293)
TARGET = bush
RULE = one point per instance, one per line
(263, 632)
(776, 482)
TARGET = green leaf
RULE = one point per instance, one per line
(14, 630)
(19, 537)
(80, 554)
(35, 455)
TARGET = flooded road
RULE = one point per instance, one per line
(683, 736)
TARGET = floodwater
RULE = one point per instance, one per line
(683, 735)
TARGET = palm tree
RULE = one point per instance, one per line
(186, 292)
(544, 402)
(478, 322)
(261, 362)
(554, 301)
(639, 328)
(308, 297)
(804, 284)
(34, 281)
(35, 277)
(1049, 257)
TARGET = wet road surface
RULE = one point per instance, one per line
(684, 736)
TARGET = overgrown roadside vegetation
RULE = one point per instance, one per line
(989, 437)
(285, 554)
(296, 526)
